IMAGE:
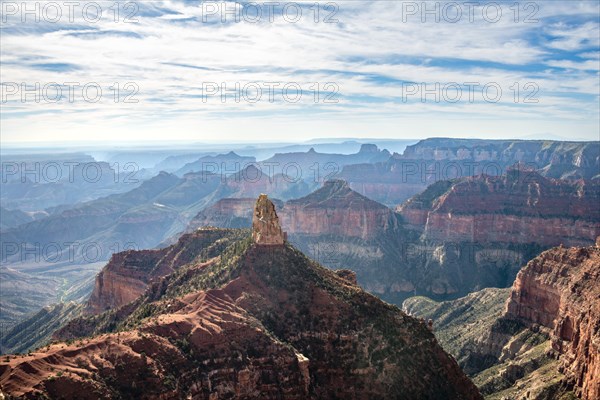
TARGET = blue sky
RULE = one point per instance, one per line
(375, 58)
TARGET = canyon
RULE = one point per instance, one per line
(158, 206)
(455, 237)
(538, 339)
(402, 176)
(559, 291)
(240, 319)
(520, 207)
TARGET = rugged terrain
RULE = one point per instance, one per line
(335, 226)
(36, 330)
(540, 340)
(478, 247)
(519, 207)
(432, 160)
(243, 320)
(456, 237)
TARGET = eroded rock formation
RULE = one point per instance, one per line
(335, 209)
(265, 223)
(521, 207)
(243, 320)
(128, 274)
(537, 340)
(560, 290)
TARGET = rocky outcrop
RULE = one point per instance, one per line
(404, 175)
(123, 280)
(560, 290)
(243, 321)
(521, 207)
(536, 340)
(336, 226)
(128, 274)
(335, 209)
(265, 223)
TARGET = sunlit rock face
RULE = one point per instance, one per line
(265, 223)
(559, 290)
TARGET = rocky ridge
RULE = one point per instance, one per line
(560, 291)
(520, 207)
(432, 160)
(243, 320)
(539, 340)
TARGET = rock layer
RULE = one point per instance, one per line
(335, 209)
(265, 223)
(537, 340)
(560, 290)
(247, 321)
(438, 159)
(521, 207)
(128, 274)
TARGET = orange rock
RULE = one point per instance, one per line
(265, 223)
(559, 290)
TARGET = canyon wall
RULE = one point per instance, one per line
(128, 274)
(560, 290)
(538, 339)
(334, 209)
(429, 161)
(521, 207)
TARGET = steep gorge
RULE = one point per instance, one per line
(538, 340)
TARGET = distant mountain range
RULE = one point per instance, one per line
(432, 160)
(454, 236)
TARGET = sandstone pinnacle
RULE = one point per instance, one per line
(265, 223)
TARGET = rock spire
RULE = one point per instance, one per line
(265, 223)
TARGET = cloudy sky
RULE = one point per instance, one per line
(178, 70)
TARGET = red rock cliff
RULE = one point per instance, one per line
(522, 207)
(128, 274)
(560, 290)
(336, 209)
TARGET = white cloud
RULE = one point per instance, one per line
(368, 54)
